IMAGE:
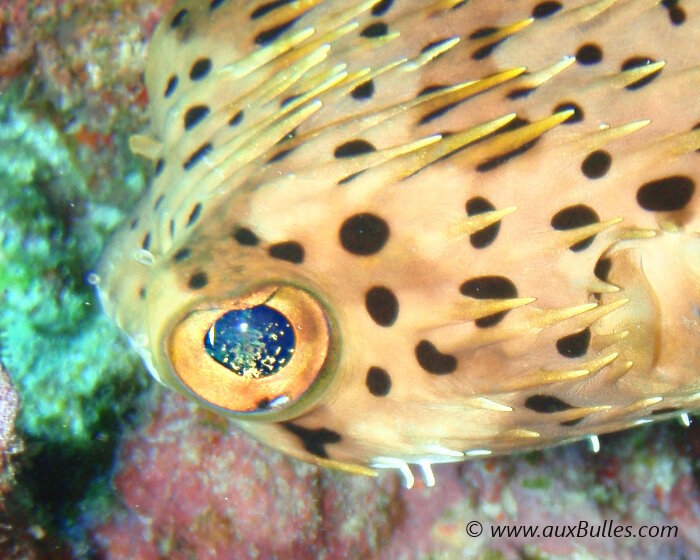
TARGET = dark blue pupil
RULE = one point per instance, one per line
(253, 343)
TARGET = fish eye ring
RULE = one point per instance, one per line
(255, 354)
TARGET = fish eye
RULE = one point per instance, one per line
(253, 343)
(260, 354)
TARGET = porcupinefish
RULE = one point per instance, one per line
(394, 233)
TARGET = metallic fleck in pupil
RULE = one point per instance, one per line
(253, 343)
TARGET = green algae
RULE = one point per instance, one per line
(537, 483)
(75, 376)
(492, 555)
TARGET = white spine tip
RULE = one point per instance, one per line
(407, 475)
(443, 451)
(594, 442)
(427, 473)
(399, 464)
(478, 452)
(684, 419)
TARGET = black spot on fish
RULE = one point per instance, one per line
(484, 237)
(314, 441)
(200, 69)
(437, 113)
(289, 251)
(431, 89)
(375, 30)
(179, 18)
(589, 54)
(364, 234)
(364, 91)
(546, 9)
(497, 161)
(182, 255)
(546, 404)
(197, 156)
(198, 280)
(268, 7)
(194, 214)
(378, 381)
(287, 100)
(171, 86)
(489, 287)
(573, 217)
(195, 115)
(596, 165)
(246, 237)
(666, 195)
(380, 8)
(486, 51)
(602, 268)
(432, 360)
(637, 62)
(281, 155)
(353, 148)
(382, 305)
(350, 178)
(676, 14)
(570, 106)
(268, 36)
(483, 32)
(574, 345)
(435, 43)
(519, 93)
(236, 119)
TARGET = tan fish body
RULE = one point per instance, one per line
(411, 232)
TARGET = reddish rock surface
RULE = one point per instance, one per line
(19, 540)
(195, 487)
(81, 63)
(8, 411)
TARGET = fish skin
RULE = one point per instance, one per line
(583, 231)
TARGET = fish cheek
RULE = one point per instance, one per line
(263, 356)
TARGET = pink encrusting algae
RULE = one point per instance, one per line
(8, 411)
(223, 495)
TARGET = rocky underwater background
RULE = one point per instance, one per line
(98, 461)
